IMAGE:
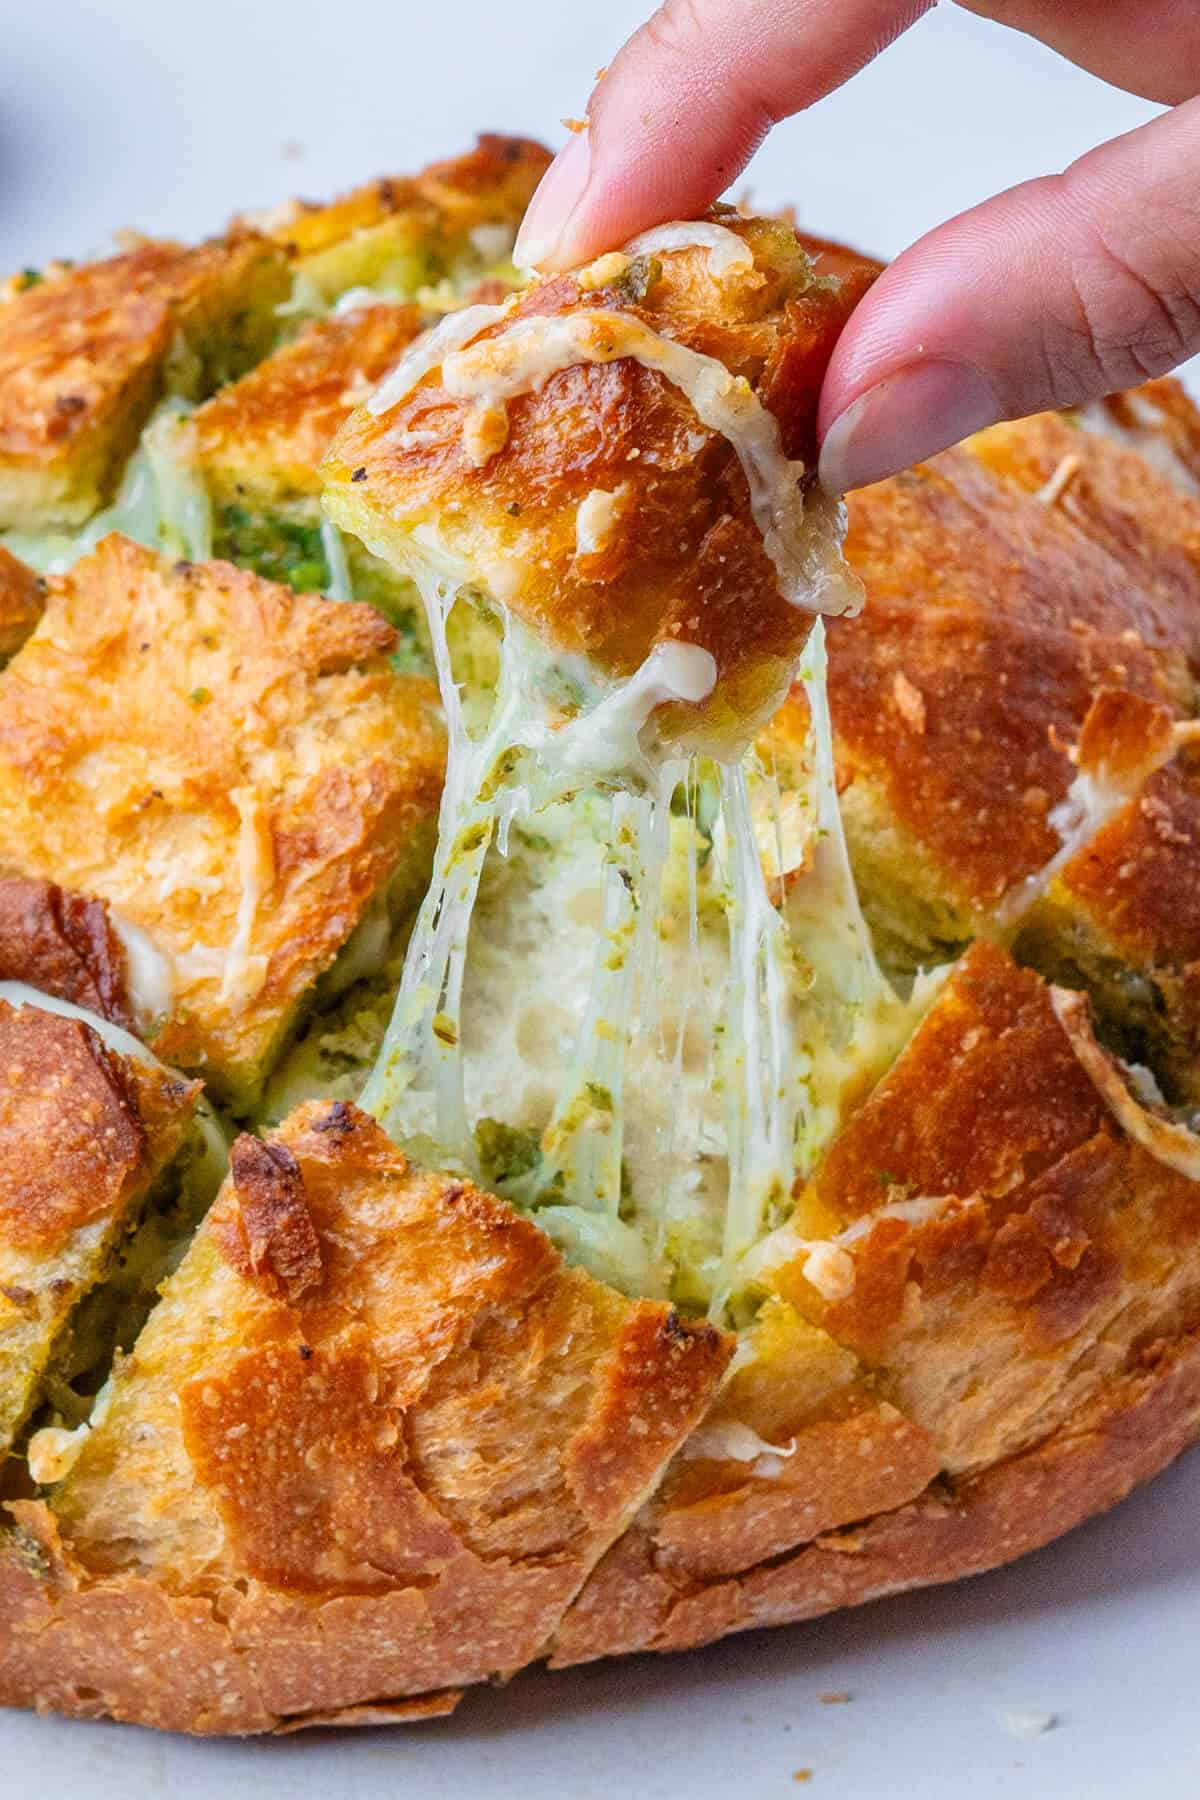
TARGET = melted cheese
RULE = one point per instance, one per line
(1095, 796)
(339, 586)
(631, 1091)
(160, 503)
(710, 1110)
(763, 1067)
(726, 250)
(53, 1452)
(595, 520)
(243, 972)
(522, 359)
(526, 760)
(1052, 490)
(735, 1442)
(149, 974)
(426, 352)
(828, 1263)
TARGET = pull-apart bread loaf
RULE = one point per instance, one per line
(687, 1128)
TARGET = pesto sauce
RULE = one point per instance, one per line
(291, 551)
(286, 550)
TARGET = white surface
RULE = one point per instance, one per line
(168, 115)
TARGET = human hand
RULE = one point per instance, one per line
(1051, 294)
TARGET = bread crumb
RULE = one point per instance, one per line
(836, 1697)
(802, 1775)
(1027, 1724)
(910, 702)
(1052, 491)
(484, 432)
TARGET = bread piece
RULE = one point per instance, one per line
(995, 614)
(403, 233)
(1134, 1427)
(1123, 918)
(84, 1132)
(66, 945)
(258, 442)
(1159, 420)
(1010, 1303)
(233, 767)
(1132, 490)
(959, 697)
(369, 1445)
(21, 603)
(84, 357)
(601, 510)
(256, 447)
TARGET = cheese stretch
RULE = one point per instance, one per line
(679, 1117)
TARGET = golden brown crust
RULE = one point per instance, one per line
(261, 439)
(83, 1133)
(84, 357)
(1014, 1354)
(1133, 1428)
(1010, 1256)
(683, 558)
(407, 232)
(1124, 914)
(1115, 498)
(68, 1101)
(1138, 876)
(390, 1480)
(272, 753)
(396, 1712)
(21, 602)
(997, 608)
(70, 1640)
(716, 1519)
(65, 945)
(1010, 1245)
(268, 1235)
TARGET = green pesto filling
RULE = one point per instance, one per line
(335, 1048)
(505, 1152)
(290, 549)
(281, 549)
(108, 1319)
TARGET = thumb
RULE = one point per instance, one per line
(1054, 293)
(685, 105)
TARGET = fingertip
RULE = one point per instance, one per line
(558, 197)
(911, 414)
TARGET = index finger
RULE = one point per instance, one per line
(685, 105)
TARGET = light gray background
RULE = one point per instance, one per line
(168, 115)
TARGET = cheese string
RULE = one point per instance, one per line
(532, 755)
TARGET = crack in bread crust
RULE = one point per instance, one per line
(391, 1477)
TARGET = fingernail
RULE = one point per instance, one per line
(903, 419)
(558, 194)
